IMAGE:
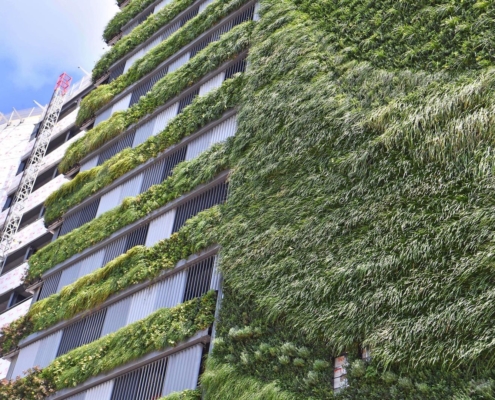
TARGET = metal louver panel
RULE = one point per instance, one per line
(25, 359)
(239, 66)
(50, 285)
(48, 350)
(79, 218)
(88, 212)
(212, 84)
(114, 249)
(160, 5)
(217, 134)
(214, 196)
(160, 228)
(152, 378)
(190, 15)
(116, 72)
(199, 279)
(103, 116)
(216, 278)
(122, 104)
(79, 396)
(151, 45)
(146, 86)
(81, 332)
(183, 370)
(170, 30)
(247, 15)
(152, 175)
(126, 386)
(117, 147)
(131, 187)
(93, 325)
(143, 133)
(142, 303)
(132, 59)
(91, 263)
(10, 372)
(100, 392)
(204, 4)
(170, 292)
(178, 63)
(172, 161)
(257, 8)
(71, 337)
(69, 275)
(116, 316)
(91, 163)
(70, 223)
(109, 200)
(187, 100)
(130, 28)
(144, 383)
(164, 118)
(136, 238)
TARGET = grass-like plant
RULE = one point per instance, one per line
(163, 329)
(115, 25)
(146, 64)
(137, 265)
(186, 176)
(203, 110)
(230, 44)
(144, 31)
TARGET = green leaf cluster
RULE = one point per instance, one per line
(148, 63)
(137, 265)
(186, 176)
(137, 36)
(203, 110)
(163, 329)
(360, 209)
(226, 48)
(115, 25)
(185, 395)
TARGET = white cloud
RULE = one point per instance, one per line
(43, 38)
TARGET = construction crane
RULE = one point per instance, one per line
(34, 165)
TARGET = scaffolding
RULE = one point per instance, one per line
(34, 165)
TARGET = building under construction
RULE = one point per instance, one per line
(257, 199)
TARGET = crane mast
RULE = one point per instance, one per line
(34, 165)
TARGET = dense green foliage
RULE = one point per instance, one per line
(185, 395)
(137, 265)
(360, 210)
(207, 60)
(155, 57)
(148, 63)
(123, 17)
(360, 207)
(204, 109)
(163, 329)
(186, 176)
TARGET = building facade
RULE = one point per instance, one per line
(273, 199)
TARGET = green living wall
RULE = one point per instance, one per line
(361, 205)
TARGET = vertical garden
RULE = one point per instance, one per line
(361, 206)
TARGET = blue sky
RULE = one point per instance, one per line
(40, 39)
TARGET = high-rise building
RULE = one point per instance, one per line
(260, 199)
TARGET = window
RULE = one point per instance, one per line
(22, 165)
(8, 202)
